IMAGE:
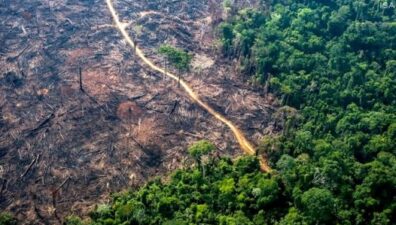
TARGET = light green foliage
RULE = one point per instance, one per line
(201, 212)
(236, 219)
(200, 148)
(293, 217)
(227, 186)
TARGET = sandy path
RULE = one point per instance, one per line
(245, 145)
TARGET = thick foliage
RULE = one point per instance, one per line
(334, 62)
(230, 193)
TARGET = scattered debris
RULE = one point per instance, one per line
(80, 117)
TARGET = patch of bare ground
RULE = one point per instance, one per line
(80, 117)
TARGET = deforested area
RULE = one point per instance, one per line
(197, 112)
(82, 117)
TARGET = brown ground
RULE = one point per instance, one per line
(81, 118)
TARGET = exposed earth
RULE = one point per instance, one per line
(81, 116)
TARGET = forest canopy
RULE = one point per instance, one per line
(334, 64)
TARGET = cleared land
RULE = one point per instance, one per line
(81, 117)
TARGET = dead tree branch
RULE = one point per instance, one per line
(62, 184)
(174, 107)
(30, 166)
(41, 125)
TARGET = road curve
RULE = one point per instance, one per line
(245, 145)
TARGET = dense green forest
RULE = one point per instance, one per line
(333, 64)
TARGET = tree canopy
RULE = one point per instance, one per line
(333, 65)
(177, 57)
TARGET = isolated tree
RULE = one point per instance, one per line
(179, 58)
(200, 149)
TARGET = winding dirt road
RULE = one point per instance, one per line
(246, 146)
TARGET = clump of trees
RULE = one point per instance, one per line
(225, 192)
(230, 193)
(179, 58)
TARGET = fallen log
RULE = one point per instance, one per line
(174, 107)
(32, 132)
(30, 166)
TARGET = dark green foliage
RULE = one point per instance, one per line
(177, 57)
(230, 193)
(7, 219)
(318, 205)
(334, 62)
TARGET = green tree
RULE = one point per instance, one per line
(318, 205)
(7, 219)
(237, 219)
(332, 143)
(199, 149)
(293, 217)
(177, 57)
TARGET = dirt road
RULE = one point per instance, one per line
(245, 145)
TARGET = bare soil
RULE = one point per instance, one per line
(80, 115)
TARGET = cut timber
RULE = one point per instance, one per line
(245, 145)
(30, 166)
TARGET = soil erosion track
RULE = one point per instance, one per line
(246, 146)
